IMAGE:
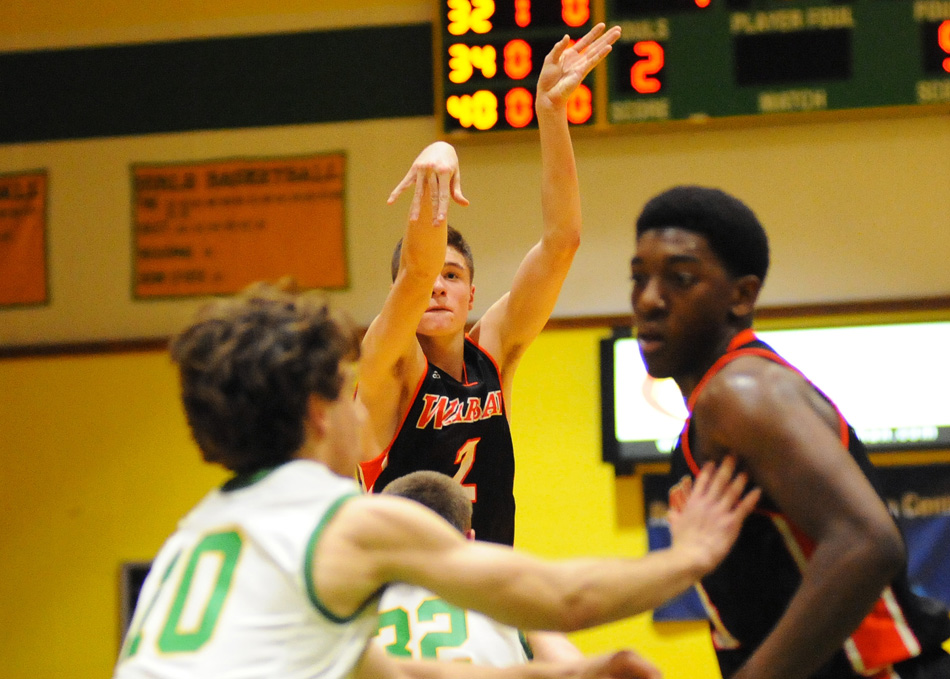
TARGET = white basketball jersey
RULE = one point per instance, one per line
(230, 593)
(415, 623)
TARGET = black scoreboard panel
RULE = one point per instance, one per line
(694, 60)
(489, 55)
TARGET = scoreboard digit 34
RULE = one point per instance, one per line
(695, 60)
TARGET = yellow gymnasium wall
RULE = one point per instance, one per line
(96, 466)
(571, 504)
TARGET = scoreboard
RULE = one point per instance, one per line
(490, 55)
(694, 60)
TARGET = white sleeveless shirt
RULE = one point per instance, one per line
(230, 593)
(415, 623)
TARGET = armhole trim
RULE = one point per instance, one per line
(491, 359)
(308, 564)
(370, 470)
(526, 645)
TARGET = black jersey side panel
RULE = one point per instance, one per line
(747, 594)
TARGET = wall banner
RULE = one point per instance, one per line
(918, 496)
(213, 228)
(23, 238)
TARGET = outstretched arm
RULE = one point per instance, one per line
(552, 646)
(509, 327)
(556, 647)
(391, 356)
(375, 664)
(378, 539)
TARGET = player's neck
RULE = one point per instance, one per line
(321, 449)
(445, 352)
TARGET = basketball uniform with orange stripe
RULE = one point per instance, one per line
(459, 429)
(747, 594)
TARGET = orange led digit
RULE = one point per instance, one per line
(943, 39)
(575, 12)
(469, 15)
(643, 70)
(580, 107)
(523, 12)
(519, 107)
(517, 56)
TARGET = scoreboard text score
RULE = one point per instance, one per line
(693, 60)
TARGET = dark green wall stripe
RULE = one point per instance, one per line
(223, 83)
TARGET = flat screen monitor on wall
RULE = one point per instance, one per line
(892, 383)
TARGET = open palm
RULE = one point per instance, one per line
(566, 65)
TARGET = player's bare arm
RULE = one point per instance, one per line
(392, 360)
(514, 321)
(378, 539)
(556, 647)
(375, 664)
(546, 646)
(784, 436)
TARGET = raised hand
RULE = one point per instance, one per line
(566, 65)
(436, 168)
(620, 665)
(706, 516)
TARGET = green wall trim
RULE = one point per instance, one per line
(213, 84)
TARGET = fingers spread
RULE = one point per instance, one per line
(442, 207)
(401, 186)
(592, 35)
(457, 190)
(555, 54)
(723, 474)
(416, 206)
(628, 665)
(434, 195)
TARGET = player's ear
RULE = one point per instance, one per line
(316, 419)
(470, 534)
(471, 297)
(745, 293)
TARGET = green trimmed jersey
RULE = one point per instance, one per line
(230, 594)
(415, 623)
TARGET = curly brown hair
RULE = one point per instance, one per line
(248, 365)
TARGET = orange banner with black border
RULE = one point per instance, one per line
(214, 227)
(23, 279)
